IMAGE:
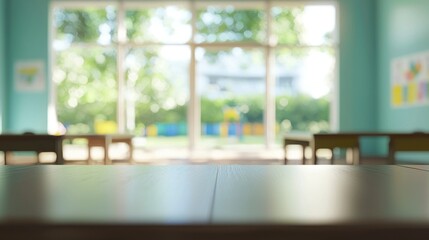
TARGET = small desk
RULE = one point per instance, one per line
(350, 140)
(304, 140)
(32, 143)
(213, 202)
(104, 141)
(407, 142)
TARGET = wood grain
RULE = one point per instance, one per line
(214, 202)
(107, 194)
(321, 195)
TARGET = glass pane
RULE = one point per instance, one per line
(231, 85)
(86, 89)
(307, 25)
(89, 25)
(230, 24)
(158, 94)
(303, 88)
(162, 24)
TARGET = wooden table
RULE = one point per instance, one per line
(349, 141)
(398, 142)
(214, 202)
(104, 141)
(37, 143)
(303, 140)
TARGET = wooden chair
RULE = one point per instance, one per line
(413, 142)
(331, 141)
(104, 141)
(30, 142)
(297, 139)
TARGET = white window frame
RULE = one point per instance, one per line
(194, 123)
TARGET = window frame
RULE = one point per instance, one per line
(194, 124)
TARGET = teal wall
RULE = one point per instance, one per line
(402, 30)
(2, 61)
(357, 73)
(357, 69)
(27, 38)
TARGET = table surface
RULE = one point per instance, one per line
(210, 199)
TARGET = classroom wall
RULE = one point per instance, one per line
(402, 30)
(2, 61)
(357, 72)
(28, 38)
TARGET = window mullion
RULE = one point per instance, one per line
(194, 123)
(270, 82)
(120, 55)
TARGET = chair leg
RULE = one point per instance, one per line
(107, 160)
(356, 156)
(5, 157)
(349, 156)
(89, 160)
(391, 157)
(303, 155)
(332, 157)
(285, 152)
(314, 160)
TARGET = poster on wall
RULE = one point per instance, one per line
(30, 76)
(410, 80)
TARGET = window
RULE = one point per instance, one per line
(199, 74)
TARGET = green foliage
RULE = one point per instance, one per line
(133, 21)
(87, 78)
(303, 112)
(229, 25)
(78, 25)
(147, 117)
(286, 27)
(211, 110)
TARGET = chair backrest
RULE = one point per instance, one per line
(409, 142)
(336, 141)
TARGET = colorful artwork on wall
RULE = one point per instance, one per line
(410, 80)
(30, 76)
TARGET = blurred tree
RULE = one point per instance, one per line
(86, 77)
(215, 24)
(211, 110)
(85, 25)
(303, 111)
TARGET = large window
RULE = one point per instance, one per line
(199, 74)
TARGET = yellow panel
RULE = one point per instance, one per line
(152, 131)
(105, 127)
(224, 130)
(397, 95)
(412, 93)
(258, 129)
(247, 129)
